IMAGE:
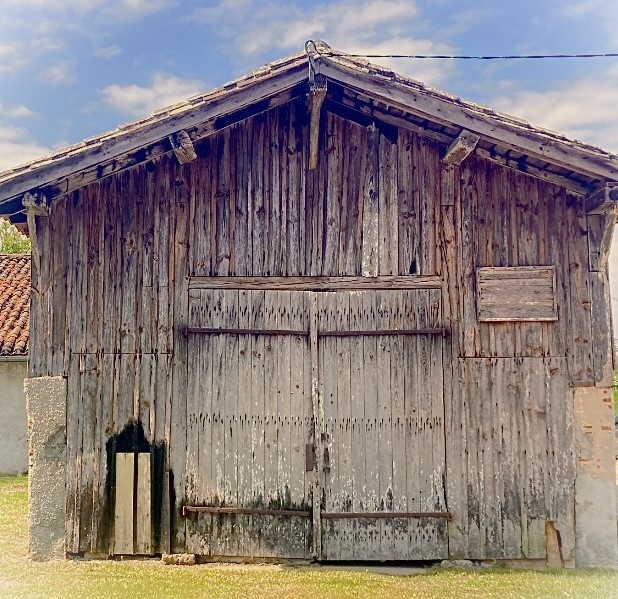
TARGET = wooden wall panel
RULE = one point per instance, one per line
(510, 458)
(111, 294)
(368, 209)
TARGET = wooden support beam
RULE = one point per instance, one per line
(317, 95)
(600, 229)
(183, 146)
(603, 200)
(35, 205)
(317, 283)
(461, 148)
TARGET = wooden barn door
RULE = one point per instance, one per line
(248, 411)
(381, 386)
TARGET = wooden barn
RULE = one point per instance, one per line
(322, 312)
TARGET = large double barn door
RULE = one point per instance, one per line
(316, 424)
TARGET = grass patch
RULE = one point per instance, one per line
(20, 577)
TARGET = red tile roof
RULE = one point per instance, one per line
(14, 304)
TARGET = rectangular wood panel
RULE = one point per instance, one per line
(383, 426)
(524, 293)
(123, 513)
(143, 538)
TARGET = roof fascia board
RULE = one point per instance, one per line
(422, 103)
(143, 135)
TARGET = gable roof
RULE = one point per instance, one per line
(14, 304)
(382, 93)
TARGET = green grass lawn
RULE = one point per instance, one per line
(20, 577)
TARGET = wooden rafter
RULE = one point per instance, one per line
(603, 200)
(183, 146)
(461, 148)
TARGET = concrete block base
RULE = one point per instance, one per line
(46, 406)
(595, 487)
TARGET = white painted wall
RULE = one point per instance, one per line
(13, 422)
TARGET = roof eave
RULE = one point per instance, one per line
(134, 136)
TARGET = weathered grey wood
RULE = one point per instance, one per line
(600, 231)
(334, 216)
(370, 207)
(516, 294)
(143, 506)
(182, 146)
(317, 96)
(328, 377)
(318, 426)
(601, 325)
(461, 148)
(579, 347)
(316, 283)
(384, 421)
(602, 201)
(450, 113)
(159, 129)
(124, 504)
(468, 331)
(178, 267)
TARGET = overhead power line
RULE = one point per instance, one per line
(464, 56)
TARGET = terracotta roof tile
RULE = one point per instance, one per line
(14, 304)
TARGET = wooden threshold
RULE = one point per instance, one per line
(316, 283)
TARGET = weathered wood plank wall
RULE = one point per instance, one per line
(112, 296)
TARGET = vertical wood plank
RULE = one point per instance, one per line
(143, 533)
(343, 430)
(318, 427)
(579, 348)
(328, 386)
(298, 411)
(399, 449)
(258, 416)
(124, 501)
(408, 216)
(384, 423)
(357, 405)
(370, 206)
(371, 497)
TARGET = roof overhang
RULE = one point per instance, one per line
(385, 94)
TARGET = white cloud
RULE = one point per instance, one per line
(61, 73)
(18, 111)
(136, 7)
(11, 59)
(108, 51)
(584, 109)
(164, 89)
(250, 28)
(17, 147)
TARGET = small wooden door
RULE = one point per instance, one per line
(382, 397)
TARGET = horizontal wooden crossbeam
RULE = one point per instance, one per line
(316, 283)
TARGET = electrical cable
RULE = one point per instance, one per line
(460, 56)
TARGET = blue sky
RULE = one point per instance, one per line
(70, 69)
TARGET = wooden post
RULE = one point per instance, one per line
(35, 206)
(317, 96)
(600, 226)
